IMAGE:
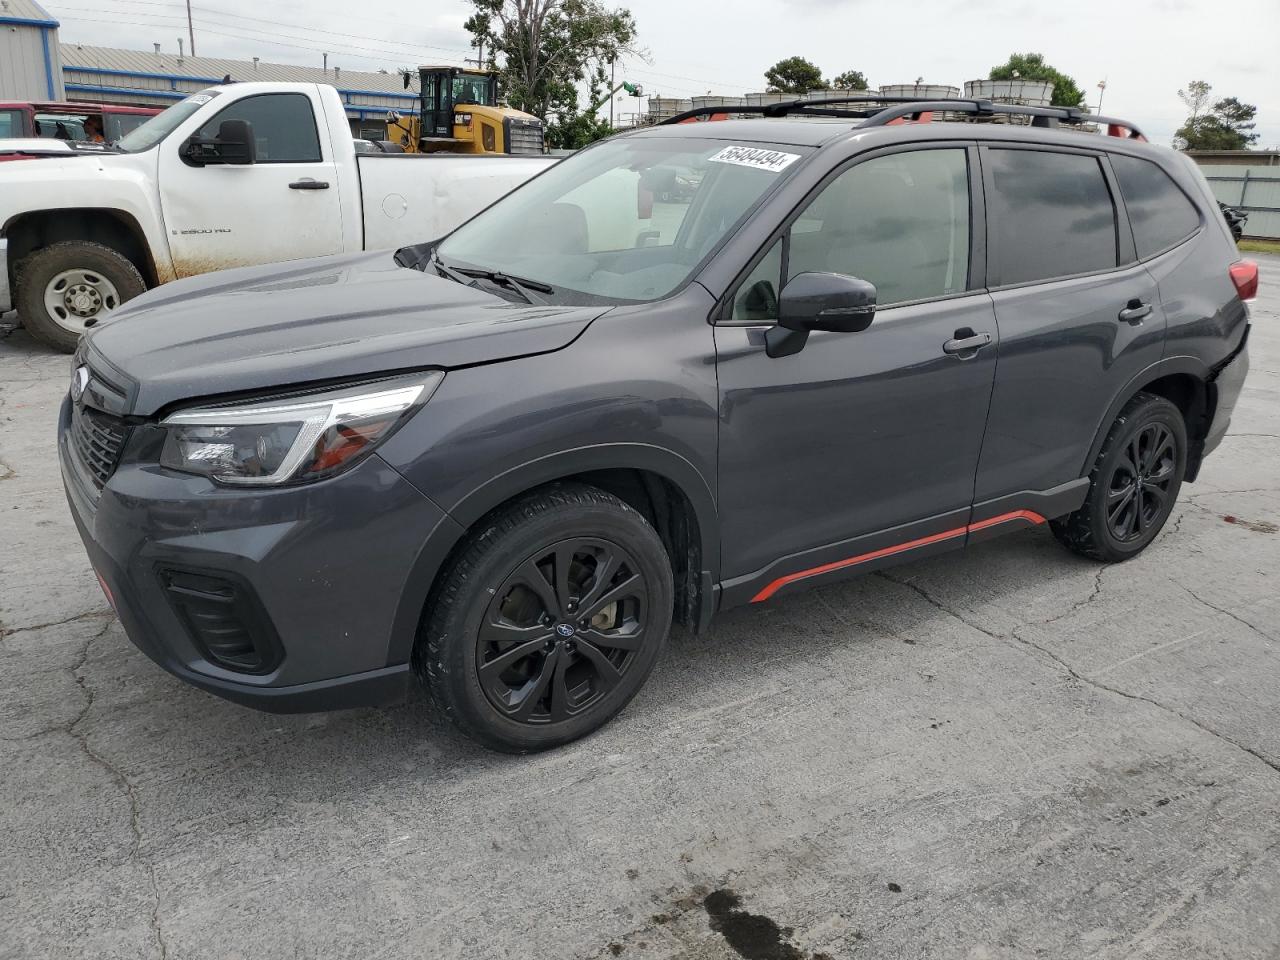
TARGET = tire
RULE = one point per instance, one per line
(1120, 518)
(97, 277)
(504, 653)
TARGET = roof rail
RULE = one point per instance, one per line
(899, 109)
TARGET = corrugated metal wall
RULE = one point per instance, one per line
(1255, 189)
(29, 65)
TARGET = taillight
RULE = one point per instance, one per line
(1244, 274)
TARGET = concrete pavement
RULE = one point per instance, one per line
(1005, 753)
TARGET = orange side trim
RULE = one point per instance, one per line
(1029, 515)
(781, 582)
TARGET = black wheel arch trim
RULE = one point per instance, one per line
(1169, 366)
(461, 514)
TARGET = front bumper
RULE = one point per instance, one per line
(328, 565)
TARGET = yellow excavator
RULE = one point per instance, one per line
(458, 112)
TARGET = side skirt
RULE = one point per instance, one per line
(911, 541)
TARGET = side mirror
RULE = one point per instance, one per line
(819, 301)
(234, 145)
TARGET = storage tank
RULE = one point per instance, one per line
(1028, 93)
(700, 102)
(762, 99)
(663, 108)
(921, 91)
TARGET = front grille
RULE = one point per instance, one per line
(524, 138)
(98, 439)
(224, 620)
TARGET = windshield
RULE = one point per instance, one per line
(147, 135)
(627, 220)
(469, 88)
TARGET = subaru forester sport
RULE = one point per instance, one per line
(696, 366)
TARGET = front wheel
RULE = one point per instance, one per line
(67, 285)
(1133, 485)
(549, 621)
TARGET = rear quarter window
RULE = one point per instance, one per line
(1161, 214)
(1051, 215)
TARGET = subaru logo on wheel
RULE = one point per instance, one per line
(565, 629)
(79, 380)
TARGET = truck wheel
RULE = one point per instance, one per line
(1134, 483)
(549, 620)
(66, 284)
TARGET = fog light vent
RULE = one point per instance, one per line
(224, 619)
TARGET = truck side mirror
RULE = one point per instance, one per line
(234, 145)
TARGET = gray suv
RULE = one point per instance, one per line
(700, 365)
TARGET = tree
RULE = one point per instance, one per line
(793, 75)
(545, 50)
(1196, 97)
(849, 80)
(1238, 117)
(1228, 126)
(1031, 66)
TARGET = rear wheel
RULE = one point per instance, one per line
(1133, 485)
(549, 621)
(67, 285)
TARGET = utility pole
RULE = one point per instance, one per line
(613, 89)
(191, 31)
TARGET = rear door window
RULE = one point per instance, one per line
(1050, 215)
(1161, 214)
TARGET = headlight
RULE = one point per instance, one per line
(291, 439)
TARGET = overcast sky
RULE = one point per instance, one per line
(1145, 49)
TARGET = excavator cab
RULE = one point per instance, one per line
(458, 112)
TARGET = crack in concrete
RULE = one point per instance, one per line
(1213, 606)
(117, 775)
(5, 632)
(1016, 637)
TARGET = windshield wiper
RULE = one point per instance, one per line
(449, 272)
(519, 284)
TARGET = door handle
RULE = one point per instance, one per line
(1135, 311)
(306, 183)
(966, 343)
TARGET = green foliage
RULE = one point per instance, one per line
(1227, 126)
(1216, 131)
(1031, 66)
(793, 75)
(545, 50)
(849, 80)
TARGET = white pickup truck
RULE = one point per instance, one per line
(241, 174)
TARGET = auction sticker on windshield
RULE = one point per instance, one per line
(771, 160)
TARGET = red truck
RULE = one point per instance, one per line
(65, 121)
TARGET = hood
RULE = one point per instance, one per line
(328, 319)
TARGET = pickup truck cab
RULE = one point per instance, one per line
(235, 175)
(64, 120)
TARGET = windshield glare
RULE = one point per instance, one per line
(628, 220)
(147, 135)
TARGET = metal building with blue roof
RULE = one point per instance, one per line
(30, 61)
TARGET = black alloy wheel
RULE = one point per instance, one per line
(1140, 480)
(1133, 485)
(562, 630)
(548, 620)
